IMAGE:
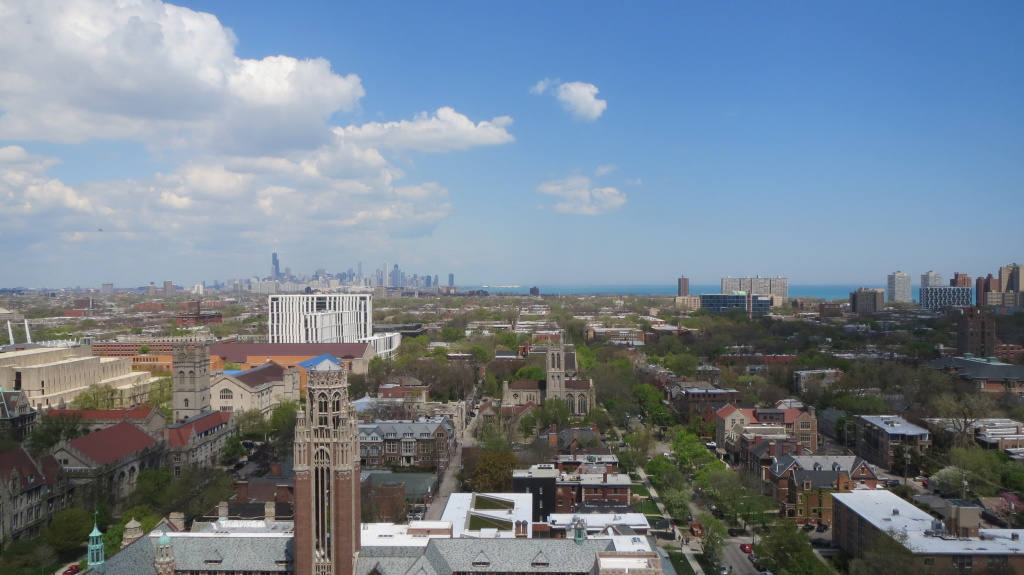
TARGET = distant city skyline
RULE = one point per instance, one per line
(828, 143)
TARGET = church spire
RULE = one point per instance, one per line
(97, 561)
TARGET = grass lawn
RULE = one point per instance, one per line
(680, 563)
(648, 507)
(639, 489)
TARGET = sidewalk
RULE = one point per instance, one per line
(449, 483)
(687, 551)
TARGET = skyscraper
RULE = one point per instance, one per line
(960, 280)
(984, 286)
(384, 274)
(899, 287)
(327, 496)
(867, 301)
(451, 280)
(1010, 277)
(684, 286)
(275, 266)
(777, 286)
(931, 279)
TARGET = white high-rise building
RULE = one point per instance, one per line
(931, 279)
(899, 287)
(938, 297)
(327, 318)
(777, 286)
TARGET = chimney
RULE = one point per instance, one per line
(242, 489)
(177, 520)
(1014, 536)
(222, 510)
(269, 511)
(275, 470)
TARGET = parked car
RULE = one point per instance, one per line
(808, 527)
(821, 542)
(892, 482)
(822, 528)
(746, 548)
(736, 532)
(71, 570)
(696, 529)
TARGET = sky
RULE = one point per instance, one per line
(510, 143)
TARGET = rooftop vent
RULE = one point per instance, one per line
(895, 511)
(1015, 536)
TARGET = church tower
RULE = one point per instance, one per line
(191, 368)
(97, 561)
(327, 496)
(556, 369)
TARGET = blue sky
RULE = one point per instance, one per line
(509, 143)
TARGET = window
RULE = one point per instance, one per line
(226, 394)
(805, 425)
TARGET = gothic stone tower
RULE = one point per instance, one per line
(555, 369)
(327, 497)
(191, 379)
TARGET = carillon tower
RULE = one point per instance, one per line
(327, 497)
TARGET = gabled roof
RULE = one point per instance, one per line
(314, 361)
(179, 434)
(267, 373)
(29, 473)
(11, 402)
(240, 352)
(137, 413)
(527, 384)
(113, 443)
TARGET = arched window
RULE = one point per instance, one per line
(186, 403)
(583, 405)
(226, 394)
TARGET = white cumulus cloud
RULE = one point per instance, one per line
(578, 98)
(579, 196)
(446, 130)
(164, 75)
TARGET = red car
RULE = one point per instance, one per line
(72, 570)
(746, 548)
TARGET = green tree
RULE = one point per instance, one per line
(452, 333)
(96, 396)
(493, 473)
(233, 449)
(690, 451)
(786, 549)
(50, 430)
(530, 373)
(144, 349)
(251, 423)
(714, 537)
(480, 355)
(527, 425)
(887, 554)
(555, 411)
(664, 473)
(68, 529)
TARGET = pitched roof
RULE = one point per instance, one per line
(137, 413)
(240, 352)
(178, 435)
(20, 461)
(266, 373)
(110, 444)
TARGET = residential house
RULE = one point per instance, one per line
(803, 485)
(879, 435)
(798, 424)
(417, 443)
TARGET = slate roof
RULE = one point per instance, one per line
(178, 435)
(110, 444)
(240, 352)
(11, 402)
(134, 414)
(820, 479)
(258, 552)
(19, 459)
(267, 373)
(846, 463)
(516, 556)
